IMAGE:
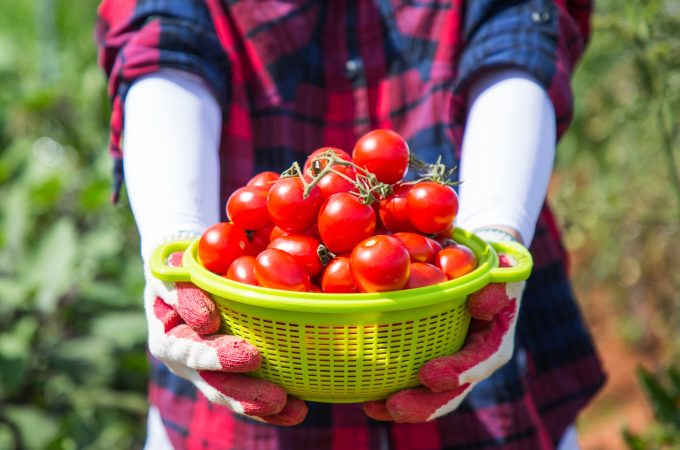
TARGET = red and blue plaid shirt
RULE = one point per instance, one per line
(292, 76)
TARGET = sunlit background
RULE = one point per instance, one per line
(72, 335)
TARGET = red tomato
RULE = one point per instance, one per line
(303, 248)
(264, 179)
(247, 207)
(418, 246)
(336, 278)
(344, 222)
(259, 239)
(384, 153)
(314, 288)
(287, 207)
(220, 244)
(320, 164)
(380, 263)
(456, 260)
(277, 269)
(436, 246)
(332, 183)
(424, 274)
(432, 206)
(393, 210)
(242, 269)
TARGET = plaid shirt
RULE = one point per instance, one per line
(292, 76)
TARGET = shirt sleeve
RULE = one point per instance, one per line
(544, 38)
(139, 37)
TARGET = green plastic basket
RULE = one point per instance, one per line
(344, 348)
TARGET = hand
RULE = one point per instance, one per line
(183, 320)
(447, 380)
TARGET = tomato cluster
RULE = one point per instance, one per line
(343, 223)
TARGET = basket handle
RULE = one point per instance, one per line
(158, 265)
(518, 272)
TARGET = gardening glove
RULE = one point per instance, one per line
(447, 380)
(183, 321)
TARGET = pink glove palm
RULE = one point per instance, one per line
(182, 321)
(447, 380)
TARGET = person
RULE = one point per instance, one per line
(207, 93)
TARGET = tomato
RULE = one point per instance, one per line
(436, 246)
(384, 153)
(344, 222)
(418, 246)
(336, 278)
(424, 274)
(264, 179)
(277, 269)
(303, 248)
(259, 239)
(432, 206)
(287, 207)
(247, 207)
(320, 164)
(380, 263)
(332, 183)
(220, 244)
(456, 260)
(242, 269)
(393, 210)
(314, 288)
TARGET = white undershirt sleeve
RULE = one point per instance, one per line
(508, 152)
(170, 156)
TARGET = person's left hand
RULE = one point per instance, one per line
(447, 380)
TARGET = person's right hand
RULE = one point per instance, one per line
(183, 321)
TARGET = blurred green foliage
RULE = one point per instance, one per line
(663, 393)
(72, 354)
(617, 191)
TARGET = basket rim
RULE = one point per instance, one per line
(455, 290)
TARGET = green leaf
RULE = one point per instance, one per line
(53, 269)
(633, 441)
(15, 355)
(663, 405)
(16, 226)
(674, 378)
(124, 330)
(37, 428)
(13, 294)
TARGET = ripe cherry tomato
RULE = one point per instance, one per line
(287, 207)
(436, 246)
(247, 207)
(259, 239)
(380, 263)
(303, 248)
(344, 222)
(456, 260)
(264, 179)
(332, 183)
(393, 210)
(277, 269)
(432, 206)
(424, 274)
(336, 278)
(220, 244)
(320, 164)
(384, 153)
(418, 246)
(242, 269)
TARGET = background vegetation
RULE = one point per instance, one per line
(72, 352)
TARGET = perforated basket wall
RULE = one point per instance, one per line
(367, 357)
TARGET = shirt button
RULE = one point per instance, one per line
(353, 68)
(540, 16)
